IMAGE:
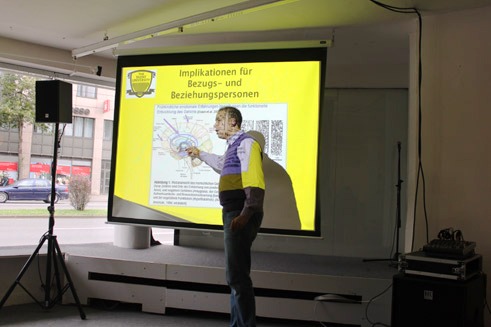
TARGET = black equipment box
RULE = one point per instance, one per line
(419, 263)
(419, 301)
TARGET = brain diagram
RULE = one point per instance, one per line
(178, 136)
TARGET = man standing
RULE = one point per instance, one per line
(241, 194)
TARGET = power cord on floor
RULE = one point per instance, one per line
(368, 302)
(374, 324)
(487, 304)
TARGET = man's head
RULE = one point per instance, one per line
(227, 122)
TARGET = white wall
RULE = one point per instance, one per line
(365, 114)
(360, 129)
(456, 153)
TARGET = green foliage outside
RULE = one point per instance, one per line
(18, 108)
(17, 99)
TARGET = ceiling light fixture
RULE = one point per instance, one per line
(176, 26)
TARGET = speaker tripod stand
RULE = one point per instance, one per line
(54, 256)
(394, 260)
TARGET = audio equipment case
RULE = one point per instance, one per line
(419, 263)
(420, 301)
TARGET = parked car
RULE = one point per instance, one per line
(32, 189)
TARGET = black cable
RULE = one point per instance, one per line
(410, 10)
(458, 235)
(420, 121)
(403, 10)
(368, 304)
(62, 132)
(39, 263)
(486, 304)
(420, 173)
(58, 141)
(394, 236)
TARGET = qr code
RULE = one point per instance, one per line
(247, 125)
(276, 137)
(262, 126)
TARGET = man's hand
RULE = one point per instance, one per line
(193, 152)
(238, 223)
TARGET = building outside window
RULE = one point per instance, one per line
(86, 139)
(47, 129)
(86, 91)
(88, 128)
(78, 126)
(67, 129)
(105, 176)
(81, 127)
(108, 130)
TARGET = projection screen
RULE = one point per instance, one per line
(168, 102)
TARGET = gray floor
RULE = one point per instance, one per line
(107, 314)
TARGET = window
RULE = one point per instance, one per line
(108, 130)
(76, 154)
(67, 129)
(86, 91)
(89, 128)
(26, 183)
(44, 128)
(78, 126)
(42, 183)
(83, 127)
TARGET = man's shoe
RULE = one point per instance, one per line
(154, 242)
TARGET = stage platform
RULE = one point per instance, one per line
(287, 286)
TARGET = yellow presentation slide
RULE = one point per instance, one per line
(163, 109)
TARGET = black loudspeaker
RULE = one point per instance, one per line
(53, 101)
(430, 302)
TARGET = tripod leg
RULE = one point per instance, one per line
(69, 278)
(55, 265)
(49, 260)
(22, 272)
(52, 260)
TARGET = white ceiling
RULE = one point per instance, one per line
(70, 25)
